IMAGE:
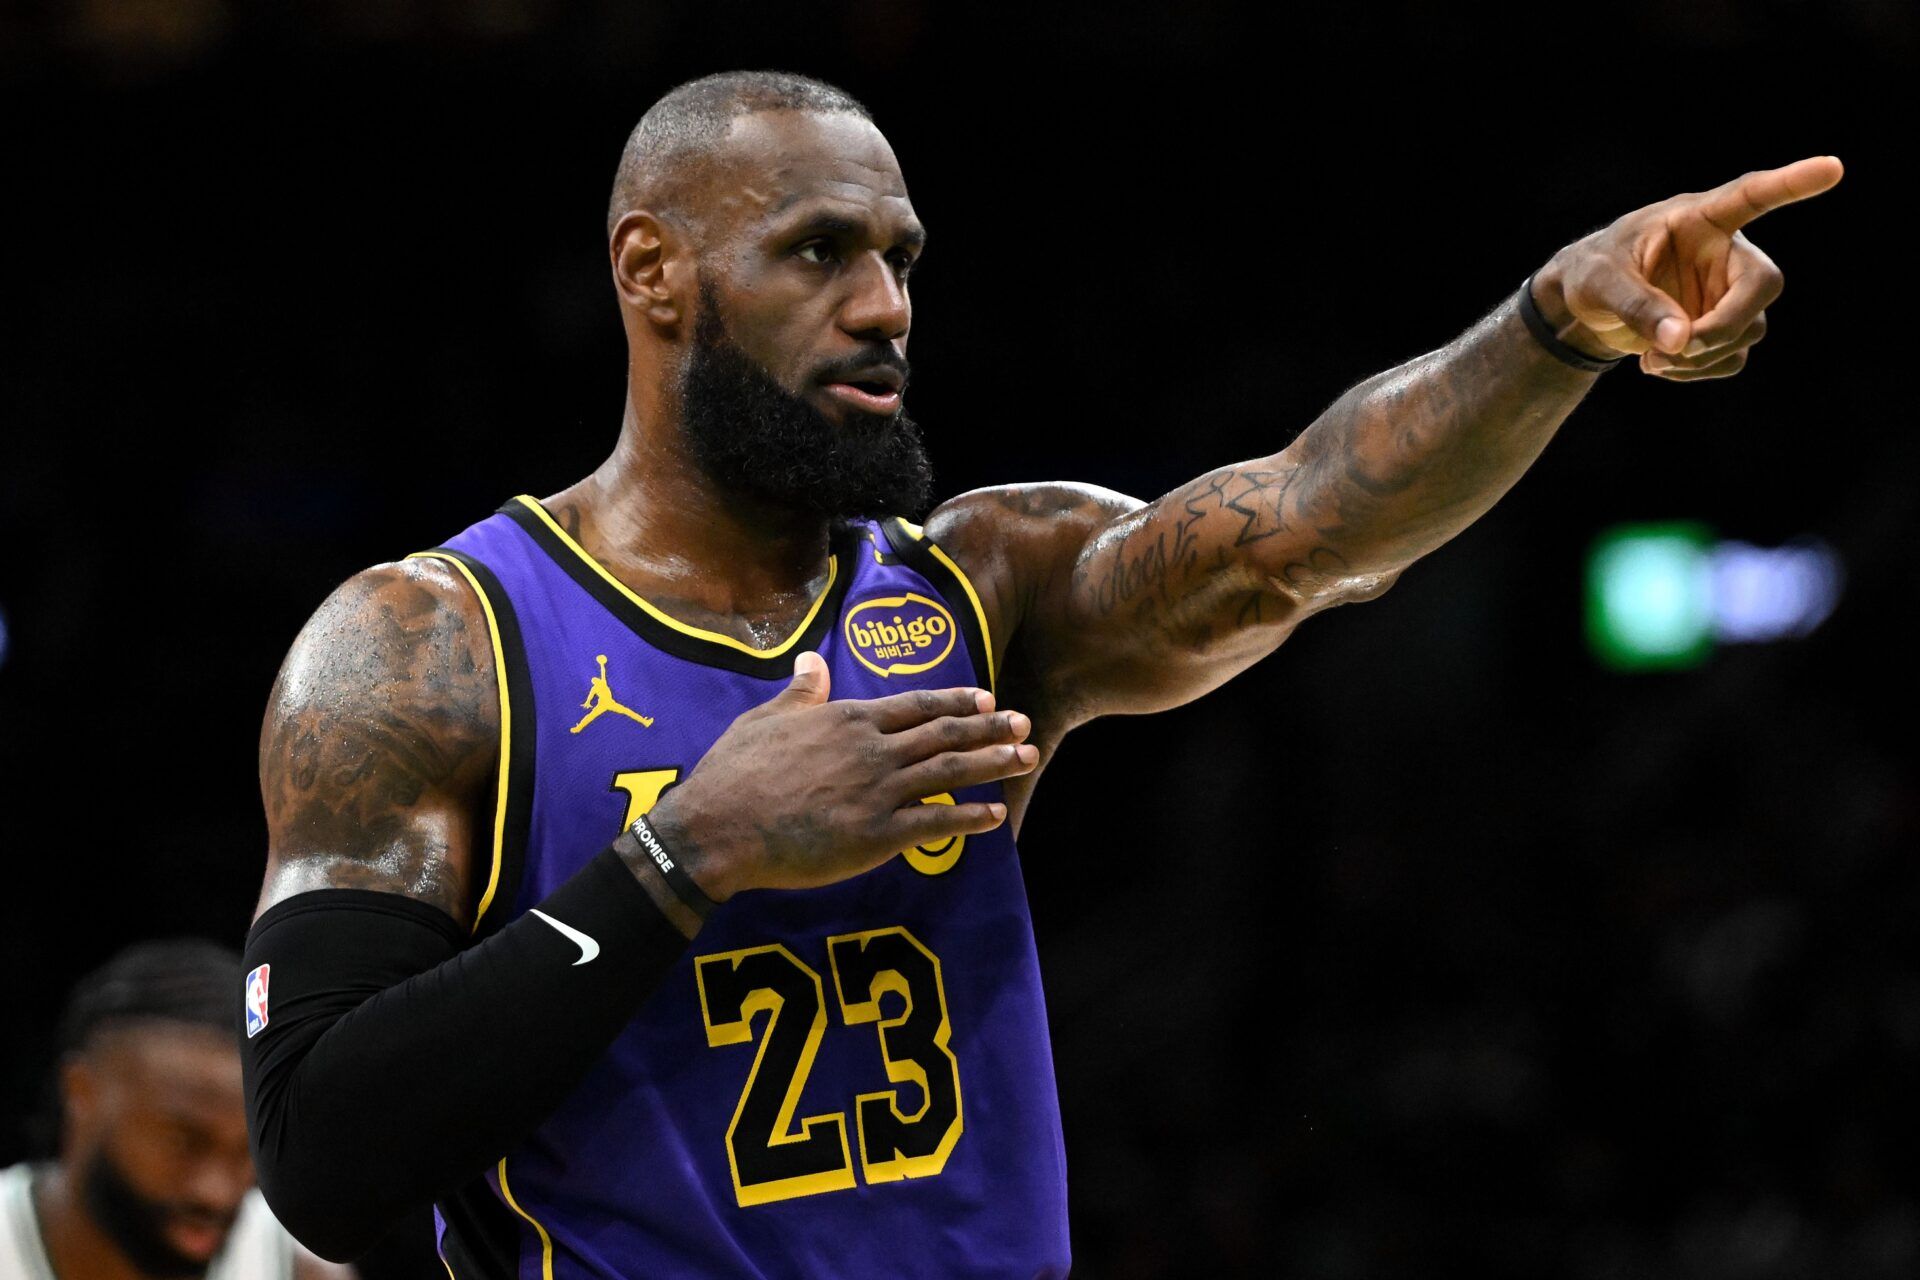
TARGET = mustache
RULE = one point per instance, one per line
(848, 367)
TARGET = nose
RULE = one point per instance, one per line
(877, 307)
(218, 1184)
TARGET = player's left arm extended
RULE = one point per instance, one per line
(1103, 604)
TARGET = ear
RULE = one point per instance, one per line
(79, 1093)
(650, 261)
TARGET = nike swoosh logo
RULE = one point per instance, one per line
(588, 947)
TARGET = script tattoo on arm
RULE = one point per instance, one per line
(380, 741)
(1160, 602)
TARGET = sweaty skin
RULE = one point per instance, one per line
(380, 738)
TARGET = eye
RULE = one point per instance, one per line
(902, 263)
(818, 252)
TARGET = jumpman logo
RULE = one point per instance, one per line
(600, 700)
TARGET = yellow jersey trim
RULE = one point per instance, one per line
(546, 1241)
(713, 637)
(506, 727)
(966, 584)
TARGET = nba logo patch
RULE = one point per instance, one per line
(257, 1000)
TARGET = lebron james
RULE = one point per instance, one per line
(642, 890)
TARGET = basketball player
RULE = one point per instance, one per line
(153, 1177)
(739, 980)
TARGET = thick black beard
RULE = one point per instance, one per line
(135, 1224)
(752, 436)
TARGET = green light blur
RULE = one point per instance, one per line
(1649, 596)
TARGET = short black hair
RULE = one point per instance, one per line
(179, 980)
(689, 119)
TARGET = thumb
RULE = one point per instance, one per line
(810, 683)
(1672, 333)
(1634, 304)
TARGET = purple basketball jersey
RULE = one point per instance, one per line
(850, 1081)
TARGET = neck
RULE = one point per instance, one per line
(75, 1246)
(659, 524)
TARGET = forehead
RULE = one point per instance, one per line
(177, 1067)
(777, 162)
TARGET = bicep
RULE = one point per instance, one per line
(379, 741)
(1158, 610)
(1120, 606)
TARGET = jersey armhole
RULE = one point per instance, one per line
(911, 543)
(513, 784)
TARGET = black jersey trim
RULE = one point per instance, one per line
(925, 558)
(512, 796)
(677, 638)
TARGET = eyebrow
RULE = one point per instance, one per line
(913, 236)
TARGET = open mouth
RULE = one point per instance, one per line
(865, 396)
(870, 390)
(197, 1237)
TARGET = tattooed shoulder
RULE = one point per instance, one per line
(380, 739)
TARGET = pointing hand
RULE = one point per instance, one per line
(1677, 282)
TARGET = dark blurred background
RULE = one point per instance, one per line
(1479, 957)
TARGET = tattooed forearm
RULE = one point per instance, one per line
(1407, 459)
(380, 733)
(1111, 605)
(1393, 469)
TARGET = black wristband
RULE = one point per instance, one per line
(682, 884)
(1537, 325)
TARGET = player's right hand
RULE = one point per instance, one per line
(802, 792)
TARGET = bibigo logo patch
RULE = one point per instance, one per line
(900, 635)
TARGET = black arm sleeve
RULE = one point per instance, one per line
(393, 1066)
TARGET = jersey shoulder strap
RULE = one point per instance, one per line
(910, 543)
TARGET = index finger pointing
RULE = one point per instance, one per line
(1733, 205)
(900, 711)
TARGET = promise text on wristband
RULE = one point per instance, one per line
(683, 885)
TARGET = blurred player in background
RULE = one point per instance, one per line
(153, 1177)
